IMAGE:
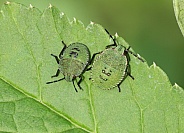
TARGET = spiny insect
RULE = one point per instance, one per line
(72, 61)
(111, 66)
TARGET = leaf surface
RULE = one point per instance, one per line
(27, 104)
(179, 13)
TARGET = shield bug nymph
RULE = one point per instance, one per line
(72, 61)
(111, 66)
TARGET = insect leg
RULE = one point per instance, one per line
(128, 71)
(119, 88)
(93, 57)
(130, 75)
(55, 81)
(57, 59)
(57, 73)
(89, 68)
(74, 85)
(62, 49)
(81, 77)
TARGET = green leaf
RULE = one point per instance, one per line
(27, 104)
(179, 13)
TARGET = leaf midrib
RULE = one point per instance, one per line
(47, 106)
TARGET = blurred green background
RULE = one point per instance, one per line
(149, 26)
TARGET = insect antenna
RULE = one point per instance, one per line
(115, 44)
(134, 54)
(62, 49)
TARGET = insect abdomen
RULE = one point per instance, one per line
(71, 66)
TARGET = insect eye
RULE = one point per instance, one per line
(103, 71)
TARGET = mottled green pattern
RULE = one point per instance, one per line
(83, 52)
(71, 67)
(109, 68)
(74, 60)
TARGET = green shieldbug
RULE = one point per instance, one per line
(111, 66)
(73, 60)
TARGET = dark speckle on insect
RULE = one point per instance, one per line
(102, 78)
(75, 54)
(76, 49)
(72, 63)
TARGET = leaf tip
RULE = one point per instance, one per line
(50, 6)
(74, 20)
(7, 2)
(31, 6)
(154, 65)
(92, 23)
(178, 88)
(138, 55)
(62, 14)
(116, 35)
(176, 85)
